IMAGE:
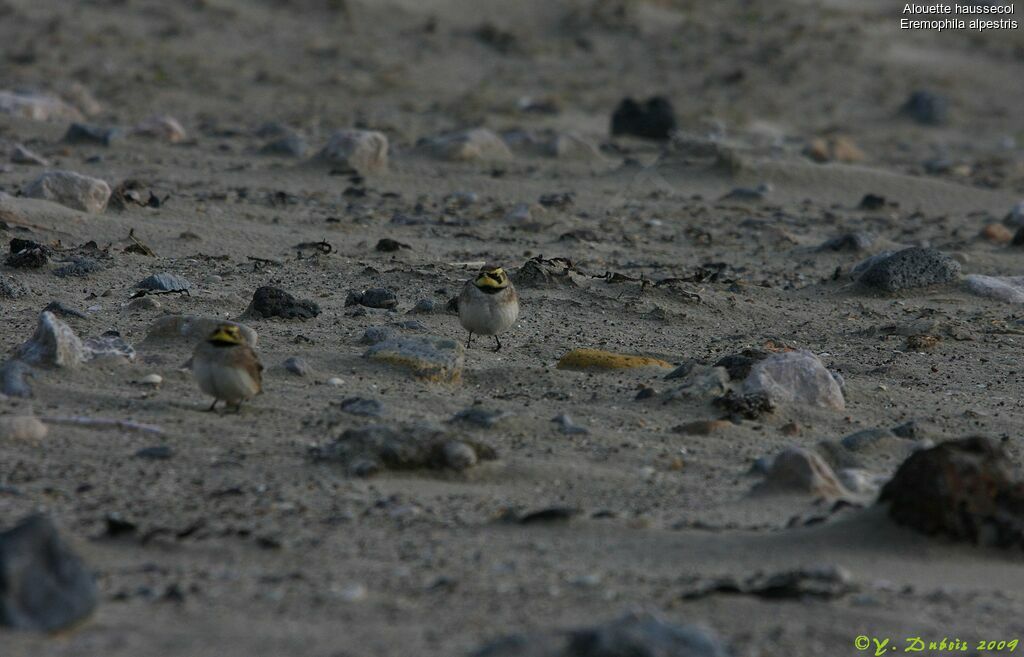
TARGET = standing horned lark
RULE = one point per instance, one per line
(226, 367)
(488, 304)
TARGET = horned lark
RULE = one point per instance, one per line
(226, 367)
(488, 304)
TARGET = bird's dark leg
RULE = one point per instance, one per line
(469, 342)
(212, 406)
(498, 342)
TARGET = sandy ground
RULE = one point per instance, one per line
(244, 546)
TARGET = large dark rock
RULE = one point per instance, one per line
(911, 268)
(44, 586)
(275, 302)
(653, 119)
(635, 635)
(966, 489)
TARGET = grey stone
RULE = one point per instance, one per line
(290, 145)
(366, 151)
(297, 366)
(701, 383)
(155, 453)
(926, 107)
(21, 428)
(1009, 289)
(78, 268)
(852, 242)
(375, 334)
(478, 417)
(274, 302)
(44, 586)
(425, 306)
(22, 155)
(164, 282)
(84, 133)
(794, 377)
(375, 297)
(911, 268)
(798, 470)
(71, 190)
(362, 406)
(53, 344)
(427, 357)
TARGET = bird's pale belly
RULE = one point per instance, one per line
(488, 319)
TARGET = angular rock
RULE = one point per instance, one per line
(366, 151)
(53, 344)
(794, 377)
(910, 268)
(467, 145)
(653, 119)
(798, 470)
(634, 635)
(164, 282)
(425, 306)
(85, 133)
(427, 357)
(162, 127)
(1001, 288)
(275, 302)
(367, 450)
(22, 155)
(37, 107)
(192, 329)
(22, 428)
(598, 359)
(44, 586)
(71, 190)
(966, 489)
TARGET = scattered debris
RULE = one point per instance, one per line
(825, 582)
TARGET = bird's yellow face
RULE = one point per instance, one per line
(492, 280)
(226, 334)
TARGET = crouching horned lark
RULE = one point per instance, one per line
(488, 304)
(226, 367)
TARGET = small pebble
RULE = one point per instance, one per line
(335, 381)
(151, 380)
(297, 366)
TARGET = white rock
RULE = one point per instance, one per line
(78, 95)
(366, 151)
(53, 343)
(573, 147)
(799, 470)
(151, 380)
(795, 377)
(353, 593)
(38, 107)
(474, 144)
(22, 155)
(22, 428)
(71, 190)
(161, 126)
(335, 381)
(1002, 288)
